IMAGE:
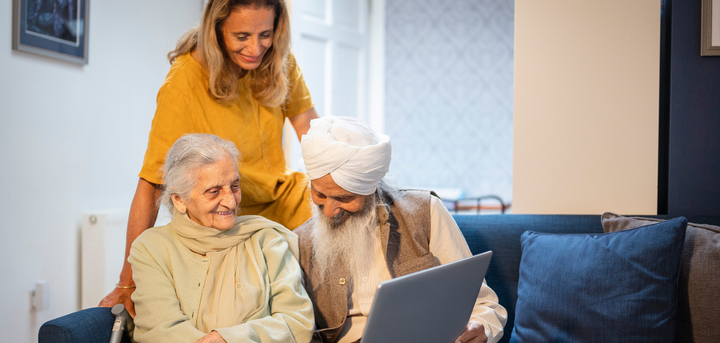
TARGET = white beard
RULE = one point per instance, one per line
(352, 241)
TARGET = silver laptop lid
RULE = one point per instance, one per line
(432, 305)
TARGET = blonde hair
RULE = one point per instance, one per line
(269, 82)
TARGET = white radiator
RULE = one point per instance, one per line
(102, 252)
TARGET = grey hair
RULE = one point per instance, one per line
(190, 153)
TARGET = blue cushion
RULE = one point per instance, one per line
(92, 325)
(611, 287)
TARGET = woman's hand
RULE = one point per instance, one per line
(474, 333)
(120, 296)
(212, 337)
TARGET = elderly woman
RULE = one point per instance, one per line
(210, 275)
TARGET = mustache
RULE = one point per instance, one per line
(337, 220)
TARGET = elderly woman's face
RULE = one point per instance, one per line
(248, 34)
(214, 199)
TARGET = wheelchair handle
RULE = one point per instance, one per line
(122, 322)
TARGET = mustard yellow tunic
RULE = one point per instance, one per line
(184, 105)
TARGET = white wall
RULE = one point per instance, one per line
(72, 140)
(586, 106)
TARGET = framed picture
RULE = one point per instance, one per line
(710, 36)
(54, 28)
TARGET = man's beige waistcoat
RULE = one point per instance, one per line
(405, 229)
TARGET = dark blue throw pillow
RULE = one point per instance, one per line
(614, 287)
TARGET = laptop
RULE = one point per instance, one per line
(433, 305)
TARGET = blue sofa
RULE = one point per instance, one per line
(499, 233)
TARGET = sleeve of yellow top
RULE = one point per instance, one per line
(173, 118)
(159, 317)
(299, 99)
(292, 318)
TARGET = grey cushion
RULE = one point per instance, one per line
(698, 316)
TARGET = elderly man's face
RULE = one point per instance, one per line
(333, 200)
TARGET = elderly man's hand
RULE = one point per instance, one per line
(120, 296)
(213, 337)
(474, 333)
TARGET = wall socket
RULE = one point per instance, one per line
(40, 296)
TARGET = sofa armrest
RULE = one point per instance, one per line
(92, 325)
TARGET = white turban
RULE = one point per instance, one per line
(354, 155)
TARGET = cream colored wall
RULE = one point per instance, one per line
(586, 106)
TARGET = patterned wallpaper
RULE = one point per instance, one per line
(449, 94)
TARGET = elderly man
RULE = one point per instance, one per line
(364, 232)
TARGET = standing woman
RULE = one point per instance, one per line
(232, 76)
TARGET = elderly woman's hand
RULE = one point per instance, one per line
(474, 333)
(212, 337)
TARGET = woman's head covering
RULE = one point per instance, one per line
(354, 155)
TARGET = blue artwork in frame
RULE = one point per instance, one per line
(55, 28)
